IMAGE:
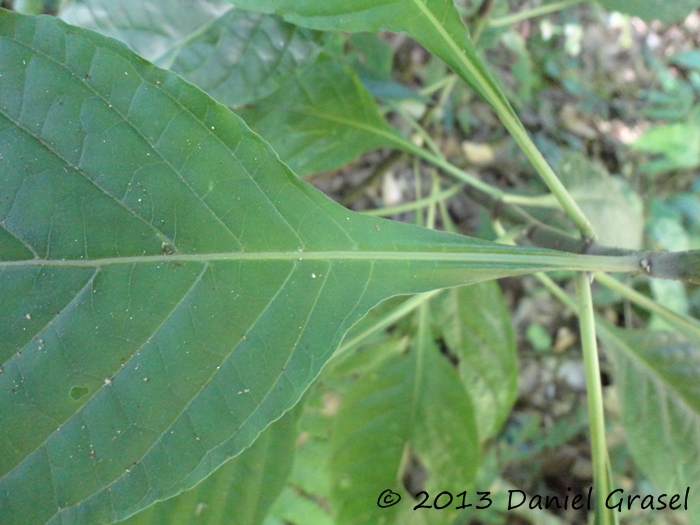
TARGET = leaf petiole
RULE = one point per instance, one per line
(594, 390)
(532, 13)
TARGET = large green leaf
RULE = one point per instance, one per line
(678, 146)
(234, 55)
(325, 118)
(657, 375)
(412, 404)
(475, 324)
(169, 286)
(653, 9)
(241, 492)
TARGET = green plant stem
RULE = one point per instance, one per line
(495, 200)
(442, 83)
(418, 128)
(415, 205)
(438, 161)
(434, 191)
(683, 266)
(599, 451)
(520, 135)
(468, 69)
(541, 201)
(686, 325)
(557, 292)
(532, 13)
(447, 223)
(517, 131)
(386, 321)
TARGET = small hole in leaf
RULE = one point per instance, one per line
(78, 392)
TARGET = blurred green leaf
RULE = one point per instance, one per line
(677, 144)
(28, 7)
(370, 56)
(305, 499)
(538, 337)
(653, 9)
(687, 59)
(613, 208)
(170, 287)
(234, 55)
(152, 28)
(475, 324)
(294, 508)
(241, 491)
(325, 118)
(674, 103)
(364, 358)
(657, 376)
(523, 69)
(412, 404)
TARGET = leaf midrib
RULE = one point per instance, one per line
(483, 255)
(494, 97)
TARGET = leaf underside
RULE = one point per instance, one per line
(657, 383)
(169, 287)
(241, 491)
(234, 55)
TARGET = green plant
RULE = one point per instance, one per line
(171, 288)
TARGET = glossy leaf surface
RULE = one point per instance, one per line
(170, 287)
